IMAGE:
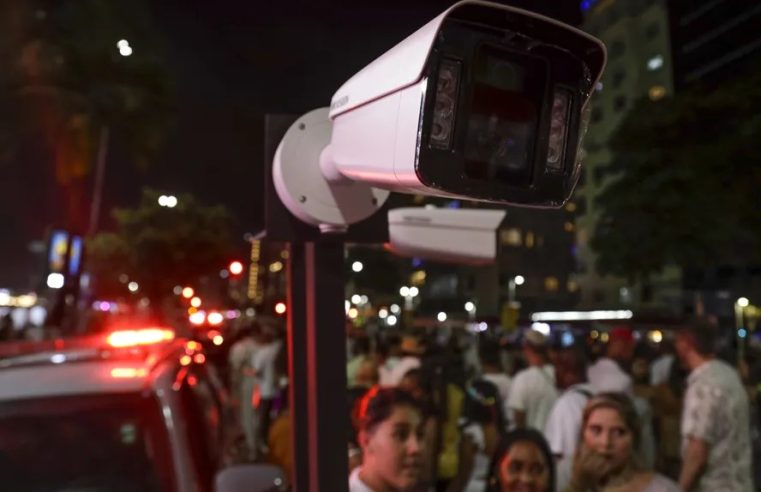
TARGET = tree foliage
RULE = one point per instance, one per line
(161, 247)
(689, 191)
(64, 81)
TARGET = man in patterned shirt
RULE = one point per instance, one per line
(716, 451)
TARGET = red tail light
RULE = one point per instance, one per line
(140, 337)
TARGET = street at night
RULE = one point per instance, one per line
(419, 246)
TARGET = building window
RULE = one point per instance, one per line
(551, 284)
(418, 277)
(511, 237)
(619, 103)
(617, 49)
(569, 227)
(656, 93)
(618, 78)
(572, 286)
(655, 63)
(529, 239)
(570, 207)
(652, 30)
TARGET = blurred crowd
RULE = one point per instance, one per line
(452, 410)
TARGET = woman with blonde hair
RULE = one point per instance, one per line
(606, 460)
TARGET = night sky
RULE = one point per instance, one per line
(233, 62)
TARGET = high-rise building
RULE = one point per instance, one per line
(713, 40)
(636, 33)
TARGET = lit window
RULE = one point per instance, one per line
(655, 63)
(569, 227)
(551, 284)
(511, 237)
(573, 286)
(570, 207)
(418, 199)
(529, 239)
(657, 92)
(418, 277)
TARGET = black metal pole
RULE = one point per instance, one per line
(298, 367)
(318, 366)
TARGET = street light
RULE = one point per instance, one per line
(55, 280)
(470, 307)
(169, 201)
(357, 266)
(404, 291)
(741, 332)
(414, 291)
(236, 267)
(442, 316)
(517, 280)
(133, 286)
(124, 48)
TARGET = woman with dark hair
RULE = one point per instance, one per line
(390, 435)
(606, 459)
(523, 462)
(482, 428)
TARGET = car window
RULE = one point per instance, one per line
(108, 443)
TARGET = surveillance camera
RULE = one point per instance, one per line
(485, 102)
(462, 236)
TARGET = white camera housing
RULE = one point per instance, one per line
(485, 102)
(462, 236)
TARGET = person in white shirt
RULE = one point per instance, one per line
(716, 437)
(491, 364)
(533, 392)
(608, 375)
(243, 381)
(563, 427)
(411, 349)
(661, 368)
(263, 363)
(391, 438)
(392, 357)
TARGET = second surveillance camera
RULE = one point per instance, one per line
(483, 103)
